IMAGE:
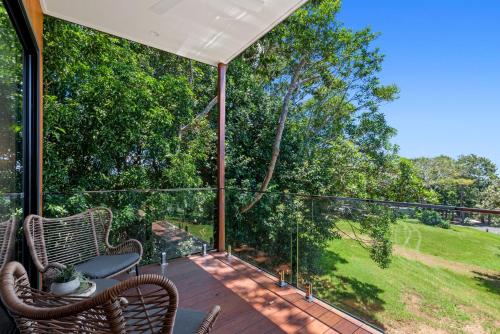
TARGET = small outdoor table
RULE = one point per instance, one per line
(100, 284)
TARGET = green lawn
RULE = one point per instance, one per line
(204, 232)
(411, 294)
(460, 244)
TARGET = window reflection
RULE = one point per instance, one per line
(11, 75)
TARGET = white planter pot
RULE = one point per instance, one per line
(65, 288)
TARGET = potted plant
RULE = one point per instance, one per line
(66, 281)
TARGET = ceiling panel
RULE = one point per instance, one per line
(209, 31)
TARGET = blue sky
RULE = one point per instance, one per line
(445, 57)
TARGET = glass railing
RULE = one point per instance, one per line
(395, 266)
(175, 221)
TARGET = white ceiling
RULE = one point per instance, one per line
(209, 31)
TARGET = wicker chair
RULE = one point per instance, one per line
(142, 304)
(7, 236)
(81, 240)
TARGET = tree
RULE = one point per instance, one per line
(441, 175)
(312, 57)
(491, 196)
(408, 186)
(490, 199)
(112, 115)
(481, 171)
(459, 182)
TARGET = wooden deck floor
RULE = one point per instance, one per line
(250, 300)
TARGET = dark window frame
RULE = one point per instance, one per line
(31, 119)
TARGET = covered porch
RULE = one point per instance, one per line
(250, 299)
(248, 251)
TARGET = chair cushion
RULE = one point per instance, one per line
(106, 265)
(188, 321)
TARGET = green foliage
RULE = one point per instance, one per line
(408, 186)
(432, 218)
(378, 224)
(334, 108)
(491, 200)
(186, 247)
(67, 274)
(11, 153)
(111, 119)
(491, 196)
(457, 182)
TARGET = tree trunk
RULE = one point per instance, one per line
(277, 139)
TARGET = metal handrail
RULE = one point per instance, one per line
(382, 202)
(330, 197)
(105, 191)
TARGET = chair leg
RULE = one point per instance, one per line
(136, 270)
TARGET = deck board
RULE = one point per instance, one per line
(250, 300)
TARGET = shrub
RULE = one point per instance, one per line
(444, 224)
(433, 218)
(67, 274)
(186, 247)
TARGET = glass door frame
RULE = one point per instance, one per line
(31, 118)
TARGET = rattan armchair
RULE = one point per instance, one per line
(142, 304)
(81, 240)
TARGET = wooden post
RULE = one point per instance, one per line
(221, 155)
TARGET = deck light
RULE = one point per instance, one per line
(282, 283)
(229, 255)
(204, 250)
(309, 296)
(164, 263)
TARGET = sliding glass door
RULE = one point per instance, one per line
(19, 122)
(11, 119)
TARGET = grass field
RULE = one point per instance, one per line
(460, 244)
(439, 281)
(204, 232)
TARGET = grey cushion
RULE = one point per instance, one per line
(106, 265)
(188, 321)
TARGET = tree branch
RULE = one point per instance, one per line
(204, 113)
(306, 80)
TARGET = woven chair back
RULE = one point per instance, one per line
(69, 240)
(7, 238)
